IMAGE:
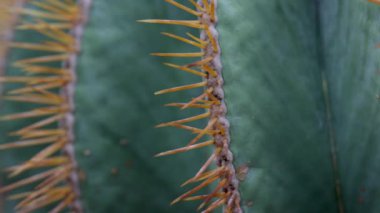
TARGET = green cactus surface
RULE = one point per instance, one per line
(302, 86)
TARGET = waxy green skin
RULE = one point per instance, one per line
(116, 112)
(277, 108)
(273, 55)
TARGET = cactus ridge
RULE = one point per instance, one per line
(209, 67)
(47, 85)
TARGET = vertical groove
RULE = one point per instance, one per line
(328, 110)
(68, 93)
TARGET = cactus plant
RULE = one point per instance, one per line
(209, 67)
(301, 86)
(48, 85)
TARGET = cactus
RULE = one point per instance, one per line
(209, 67)
(51, 87)
(301, 88)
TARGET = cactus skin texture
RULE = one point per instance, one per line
(275, 99)
(272, 69)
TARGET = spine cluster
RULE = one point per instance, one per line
(209, 68)
(224, 156)
(47, 87)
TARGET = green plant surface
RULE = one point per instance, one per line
(117, 112)
(350, 42)
(274, 54)
(274, 67)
